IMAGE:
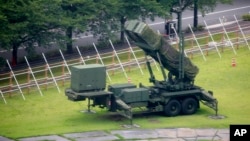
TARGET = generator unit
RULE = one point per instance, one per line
(88, 77)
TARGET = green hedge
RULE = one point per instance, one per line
(246, 17)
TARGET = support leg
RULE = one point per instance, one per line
(88, 110)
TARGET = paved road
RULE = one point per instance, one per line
(238, 7)
(168, 134)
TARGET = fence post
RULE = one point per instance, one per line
(242, 33)
(51, 72)
(96, 59)
(129, 59)
(10, 84)
(31, 72)
(46, 76)
(80, 60)
(237, 37)
(3, 97)
(211, 36)
(63, 73)
(197, 42)
(113, 62)
(207, 41)
(28, 80)
(177, 43)
(192, 44)
(99, 57)
(222, 41)
(18, 86)
(124, 72)
(80, 55)
(131, 49)
(65, 62)
(225, 32)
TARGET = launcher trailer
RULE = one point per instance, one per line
(174, 95)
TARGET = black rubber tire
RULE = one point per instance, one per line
(189, 106)
(173, 108)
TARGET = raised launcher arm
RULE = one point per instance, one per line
(168, 57)
(160, 50)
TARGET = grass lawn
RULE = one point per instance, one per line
(54, 114)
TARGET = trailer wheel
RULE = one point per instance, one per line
(173, 108)
(189, 106)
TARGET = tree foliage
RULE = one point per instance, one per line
(77, 14)
(110, 21)
(45, 23)
(28, 22)
(42, 22)
(204, 6)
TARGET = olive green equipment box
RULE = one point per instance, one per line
(134, 95)
(116, 89)
(88, 77)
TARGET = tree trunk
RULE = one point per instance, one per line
(122, 37)
(14, 54)
(195, 22)
(69, 42)
(179, 22)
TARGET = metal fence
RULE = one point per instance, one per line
(218, 35)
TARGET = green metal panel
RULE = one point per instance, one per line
(135, 95)
(117, 88)
(88, 77)
(144, 34)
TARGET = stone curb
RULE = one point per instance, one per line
(169, 134)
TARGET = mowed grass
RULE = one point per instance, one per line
(54, 114)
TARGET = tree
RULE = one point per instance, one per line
(204, 6)
(105, 25)
(78, 14)
(195, 22)
(178, 6)
(123, 10)
(139, 9)
(29, 22)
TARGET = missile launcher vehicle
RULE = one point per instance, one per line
(174, 95)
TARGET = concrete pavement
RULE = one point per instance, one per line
(166, 134)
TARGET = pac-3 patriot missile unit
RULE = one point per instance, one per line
(175, 94)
